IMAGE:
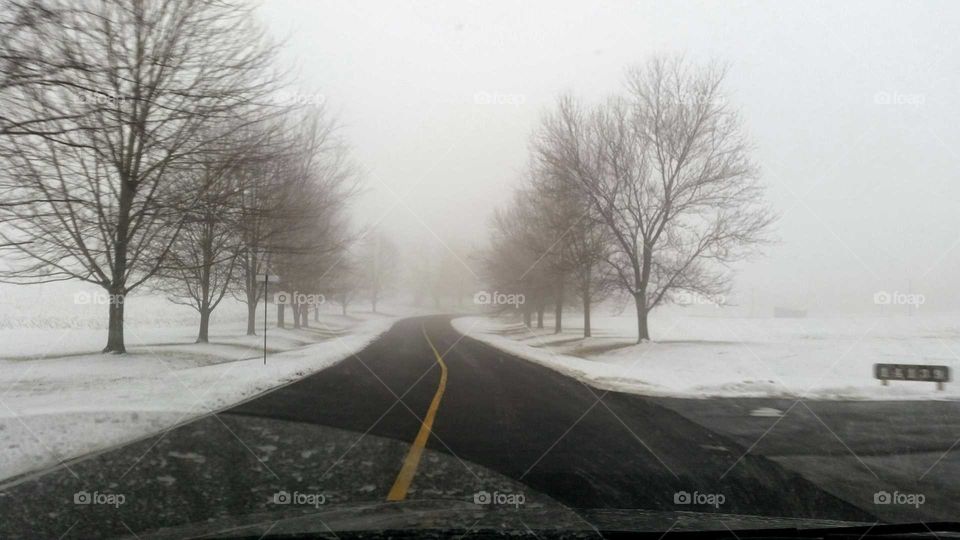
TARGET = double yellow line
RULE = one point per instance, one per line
(402, 484)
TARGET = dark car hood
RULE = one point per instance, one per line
(465, 517)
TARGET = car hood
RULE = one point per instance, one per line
(466, 517)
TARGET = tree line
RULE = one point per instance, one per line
(153, 144)
(650, 194)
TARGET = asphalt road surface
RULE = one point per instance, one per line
(437, 428)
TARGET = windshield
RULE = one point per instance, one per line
(456, 268)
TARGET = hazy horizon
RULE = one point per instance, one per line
(848, 106)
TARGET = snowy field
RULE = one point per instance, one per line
(60, 398)
(708, 356)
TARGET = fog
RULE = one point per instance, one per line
(850, 106)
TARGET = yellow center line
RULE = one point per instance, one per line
(400, 486)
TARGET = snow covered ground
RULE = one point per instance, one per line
(60, 398)
(707, 356)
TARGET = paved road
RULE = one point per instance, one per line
(548, 431)
(496, 427)
(853, 449)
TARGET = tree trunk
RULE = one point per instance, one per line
(251, 284)
(527, 316)
(316, 313)
(643, 333)
(115, 326)
(296, 309)
(280, 313)
(204, 335)
(540, 310)
(640, 297)
(205, 270)
(252, 317)
(305, 316)
(116, 291)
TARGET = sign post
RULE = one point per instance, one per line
(267, 279)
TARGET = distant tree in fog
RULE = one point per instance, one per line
(573, 242)
(261, 202)
(547, 240)
(440, 272)
(510, 264)
(317, 181)
(378, 257)
(419, 267)
(345, 286)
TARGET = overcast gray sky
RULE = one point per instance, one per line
(851, 106)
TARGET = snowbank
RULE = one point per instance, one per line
(699, 357)
(56, 408)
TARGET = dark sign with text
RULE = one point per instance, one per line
(911, 372)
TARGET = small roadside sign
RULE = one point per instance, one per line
(912, 372)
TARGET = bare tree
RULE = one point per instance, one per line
(588, 246)
(293, 209)
(203, 261)
(420, 266)
(516, 250)
(319, 182)
(562, 243)
(23, 67)
(346, 285)
(573, 243)
(549, 218)
(668, 171)
(452, 277)
(98, 178)
(378, 258)
(260, 202)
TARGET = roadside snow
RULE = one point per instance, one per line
(54, 408)
(699, 357)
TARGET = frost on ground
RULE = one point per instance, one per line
(60, 398)
(701, 356)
